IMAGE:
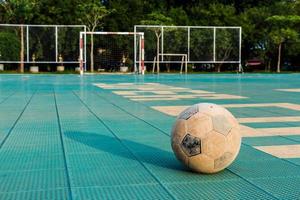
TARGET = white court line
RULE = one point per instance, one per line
(281, 151)
(289, 90)
(175, 110)
(269, 119)
(247, 131)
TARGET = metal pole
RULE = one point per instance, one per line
(135, 63)
(56, 47)
(85, 62)
(186, 64)
(81, 54)
(240, 51)
(142, 52)
(162, 43)
(214, 50)
(189, 40)
(27, 42)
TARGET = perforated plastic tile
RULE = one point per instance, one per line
(264, 168)
(112, 158)
(56, 194)
(231, 189)
(110, 176)
(29, 161)
(294, 160)
(13, 181)
(268, 141)
(137, 192)
(282, 188)
(100, 167)
(248, 153)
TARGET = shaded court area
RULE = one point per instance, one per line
(108, 136)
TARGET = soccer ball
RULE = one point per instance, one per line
(206, 138)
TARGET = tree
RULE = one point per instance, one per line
(156, 18)
(281, 31)
(19, 12)
(92, 14)
(9, 39)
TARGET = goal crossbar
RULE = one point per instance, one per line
(82, 43)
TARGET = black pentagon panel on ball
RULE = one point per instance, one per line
(191, 145)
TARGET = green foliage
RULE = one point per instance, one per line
(266, 24)
(91, 13)
(11, 40)
(157, 18)
(281, 35)
(18, 11)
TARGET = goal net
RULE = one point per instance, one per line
(201, 44)
(112, 51)
(39, 43)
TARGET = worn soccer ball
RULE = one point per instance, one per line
(206, 138)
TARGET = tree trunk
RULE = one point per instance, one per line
(168, 67)
(269, 65)
(92, 53)
(21, 67)
(279, 58)
(218, 67)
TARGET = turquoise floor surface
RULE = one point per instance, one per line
(61, 137)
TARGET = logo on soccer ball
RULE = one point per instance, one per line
(188, 113)
(191, 145)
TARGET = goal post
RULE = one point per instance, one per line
(202, 44)
(107, 49)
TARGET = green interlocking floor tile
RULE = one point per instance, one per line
(229, 189)
(56, 194)
(294, 160)
(264, 168)
(137, 192)
(282, 188)
(77, 139)
(268, 141)
(111, 176)
(17, 181)
(30, 161)
(98, 160)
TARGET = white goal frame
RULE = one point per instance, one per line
(138, 28)
(184, 61)
(139, 66)
(27, 41)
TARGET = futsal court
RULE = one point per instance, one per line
(108, 136)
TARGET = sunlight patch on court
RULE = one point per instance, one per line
(175, 110)
(247, 131)
(269, 119)
(162, 92)
(281, 151)
(289, 90)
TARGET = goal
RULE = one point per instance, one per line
(202, 44)
(112, 51)
(168, 57)
(39, 43)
